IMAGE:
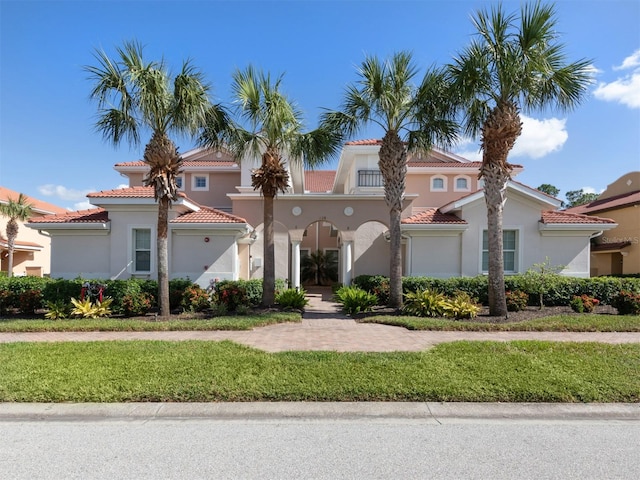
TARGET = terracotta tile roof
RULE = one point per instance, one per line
(370, 141)
(4, 243)
(623, 200)
(39, 205)
(604, 247)
(208, 215)
(433, 216)
(319, 181)
(93, 215)
(566, 217)
(421, 164)
(129, 192)
(196, 163)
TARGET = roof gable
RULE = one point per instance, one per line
(600, 205)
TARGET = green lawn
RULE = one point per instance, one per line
(556, 323)
(246, 322)
(197, 371)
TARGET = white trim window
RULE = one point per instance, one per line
(180, 182)
(438, 183)
(510, 251)
(461, 184)
(200, 182)
(141, 250)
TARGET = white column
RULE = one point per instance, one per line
(295, 264)
(347, 271)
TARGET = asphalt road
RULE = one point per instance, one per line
(353, 441)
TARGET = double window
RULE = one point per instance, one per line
(200, 182)
(370, 178)
(509, 251)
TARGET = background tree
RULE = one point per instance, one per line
(579, 197)
(549, 189)
(136, 97)
(512, 64)
(268, 126)
(18, 210)
(319, 268)
(413, 118)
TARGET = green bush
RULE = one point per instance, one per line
(425, 303)
(58, 310)
(135, 304)
(355, 300)
(292, 298)
(62, 290)
(583, 303)
(195, 299)
(177, 287)
(462, 306)
(29, 301)
(627, 303)
(231, 293)
(517, 300)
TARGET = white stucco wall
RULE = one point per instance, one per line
(84, 254)
(371, 250)
(435, 254)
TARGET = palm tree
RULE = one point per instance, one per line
(414, 119)
(274, 133)
(136, 97)
(513, 64)
(17, 210)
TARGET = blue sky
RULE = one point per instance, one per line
(50, 150)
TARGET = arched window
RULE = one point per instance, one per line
(439, 183)
(462, 184)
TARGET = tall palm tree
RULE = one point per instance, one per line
(268, 126)
(514, 64)
(16, 210)
(136, 97)
(414, 119)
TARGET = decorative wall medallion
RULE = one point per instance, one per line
(348, 211)
(296, 211)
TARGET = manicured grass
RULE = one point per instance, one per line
(556, 323)
(246, 322)
(196, 371)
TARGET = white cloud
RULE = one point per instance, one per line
(540, 137)
(83, 206)
(63, 192)
(625, 89)
(632, 61)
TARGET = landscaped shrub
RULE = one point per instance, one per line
(231, 293)
(517, 300)
(88, 309)
(195, 299)
(355, 300)
(584, 304)
(627, 303)
(177, 288)
(58, 310)
(135, 304)
(29, 301)
(426, 303)
(462, 306)
(375, 284)
(292, 298)
(6, 301)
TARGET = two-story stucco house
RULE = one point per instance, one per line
(32, 251)
(216, 225)
(618, 250)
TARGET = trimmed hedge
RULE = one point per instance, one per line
(561, 288)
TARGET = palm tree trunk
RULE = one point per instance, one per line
(495, 179)
(12, 234)
(269, 269)
(393, 167)
(163, 256)
(10, 259)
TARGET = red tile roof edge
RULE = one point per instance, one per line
(433, 216)
(92, 215)
(550, 216)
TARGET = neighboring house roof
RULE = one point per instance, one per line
(433, 216)
(196, 163)
(319, 181)
(38, 205)
(606, 247)
(129, 192)
(208, 215)
(555, 217)
(93, 215)
(601, 205)
(20, 245)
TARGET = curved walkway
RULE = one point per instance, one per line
(324, 328)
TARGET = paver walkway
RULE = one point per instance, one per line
(324, 328)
